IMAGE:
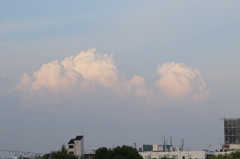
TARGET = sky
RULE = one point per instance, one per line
(117, 72)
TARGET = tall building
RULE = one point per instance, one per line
(76, 146)
(232, 131)
(231, 144)
(231, 134)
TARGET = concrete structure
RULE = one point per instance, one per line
(231, 139)
(231, 134)
(232, 131)
(159, 148)
(76, 146)
(178, 155)
(231, 147)
(182, 154)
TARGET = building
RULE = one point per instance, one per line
(89, 156)
(231, 134)
(232, 131)
(76, 146)
(231, 144)
(177, 154)
(157, 148)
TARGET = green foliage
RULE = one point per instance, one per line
(235, 155)
(232, 155)
(103, 153)
(63, 154)
(60, 154)
(21, 156)
(124, 152)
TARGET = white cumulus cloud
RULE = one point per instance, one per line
(179, 81)
(91, 74)
(93, 66)
(86, 72)
(52, 77)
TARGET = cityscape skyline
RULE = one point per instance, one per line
(129, 72)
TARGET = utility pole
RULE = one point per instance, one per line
(182, 144)
(89, 152)
(171, 140)
(164, 145)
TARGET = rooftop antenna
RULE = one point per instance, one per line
(222, 118)
(82, 128)
(171, 140)
(182, 144)
(164, 144)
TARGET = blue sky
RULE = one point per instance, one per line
(130, 71)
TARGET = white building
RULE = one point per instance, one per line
(181, 154)
(76, 146)
(177, 155)
(232, 143)
(231, 147)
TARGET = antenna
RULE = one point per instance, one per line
(82, 128)
(222, 118)
(171, 140)
(182, 144)
(164, 145)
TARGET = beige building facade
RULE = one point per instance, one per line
(76, 146)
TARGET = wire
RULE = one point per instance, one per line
(22, 152)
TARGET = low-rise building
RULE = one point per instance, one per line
(76, 146)
(177, 155)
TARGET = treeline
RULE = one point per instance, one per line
(124, 152)
(232, 155)
(62, 153)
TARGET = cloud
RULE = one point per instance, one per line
(179, 81)
(93, 66)
(91, 75)
(75, 72)
(88, 71)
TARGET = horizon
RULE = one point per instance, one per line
(130, 72)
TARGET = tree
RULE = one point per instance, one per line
(103, 153)
(235, 155)
(36, 156)
(63, 154)
(232, 155)
(124, 152)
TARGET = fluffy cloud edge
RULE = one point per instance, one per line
(89, 72)
(177, 81)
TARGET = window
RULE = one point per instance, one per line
(71, 146)
(70, 152)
